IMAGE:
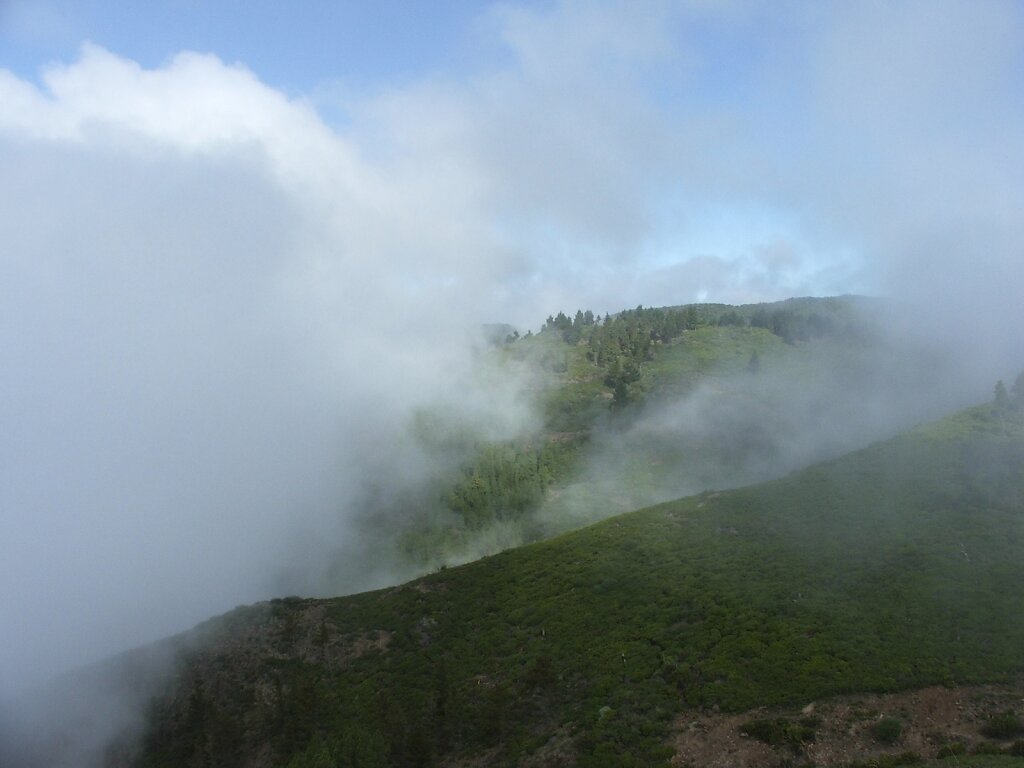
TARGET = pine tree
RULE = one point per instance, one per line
(1002, 400)
(1017, 391)
(754, 364)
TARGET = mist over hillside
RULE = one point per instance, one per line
(247, 312)
(220, 309)
(615, 414)
(693, 415)
(890, 568)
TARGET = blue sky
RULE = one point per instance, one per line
(295, 47)
(243, 242)
(733, 111)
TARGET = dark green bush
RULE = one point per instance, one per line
(1004, 726)
(953, 748)
(780, 731)
(888, 761)
(987, 748)
(887, 730)
(903, 758)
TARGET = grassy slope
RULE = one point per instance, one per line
(578, 397)
(897, 566)
(574, 399)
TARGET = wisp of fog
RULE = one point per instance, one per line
(220, 315)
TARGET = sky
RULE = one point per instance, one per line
(242, 244)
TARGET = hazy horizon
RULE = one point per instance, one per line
(235, 264)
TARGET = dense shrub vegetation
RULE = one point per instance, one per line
(887, 730)
(893, 567)
(592, 374)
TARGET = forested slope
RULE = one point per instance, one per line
(893, 567)
(758, 374)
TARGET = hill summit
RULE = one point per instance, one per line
(891, 568)
(563, 640)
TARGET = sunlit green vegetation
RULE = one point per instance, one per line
(894, 567)
(592, 374)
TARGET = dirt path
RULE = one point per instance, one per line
(929, 718)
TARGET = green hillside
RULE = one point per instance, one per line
(890, 568)
(762, 374)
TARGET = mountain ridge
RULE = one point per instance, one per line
(599, 637)
(585, 646)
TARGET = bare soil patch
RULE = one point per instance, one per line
(846, 727)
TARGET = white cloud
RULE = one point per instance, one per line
(214, 317)
(210, 300)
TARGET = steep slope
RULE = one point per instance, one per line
(894, 567)
(656, 403)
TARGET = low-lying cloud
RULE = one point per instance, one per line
(218, 313)
(213, 324)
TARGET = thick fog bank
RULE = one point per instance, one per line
(804, 403)
(219, 315)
